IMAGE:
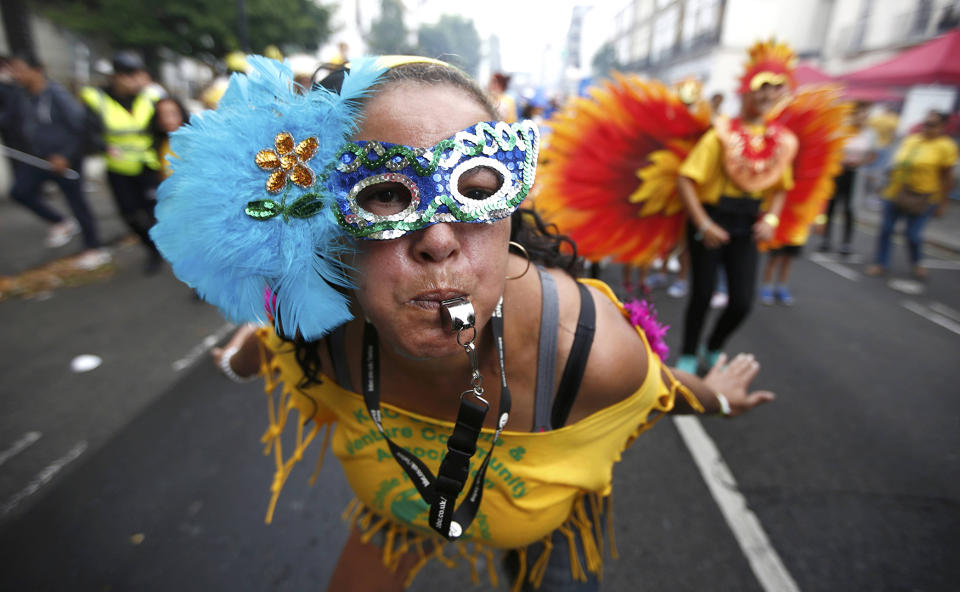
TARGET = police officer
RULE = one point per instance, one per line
(126, 109)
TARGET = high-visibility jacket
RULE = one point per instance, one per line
(127, 133)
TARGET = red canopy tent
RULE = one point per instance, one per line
(934, 62)
(807, 74)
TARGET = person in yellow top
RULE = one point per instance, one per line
(126, 110)
(920, 179)
(438, 358)
(170, 115)
(738, 168)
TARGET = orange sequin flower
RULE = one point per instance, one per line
(287, 162)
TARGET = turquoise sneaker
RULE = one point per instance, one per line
(711, 358)
(688, 364)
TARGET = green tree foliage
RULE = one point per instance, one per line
(204, 29)
(388, 33)
(453, 39)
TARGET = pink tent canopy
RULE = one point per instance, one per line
(807, 74)
(934, 62)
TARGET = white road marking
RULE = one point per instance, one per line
(764, 561)
(932, 316)
(941, 264)
(43, 477)
(19, 446)
(945, 310)
(201, 348)
(837, 268)
(909, 287)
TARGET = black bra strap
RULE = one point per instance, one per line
(576, 362)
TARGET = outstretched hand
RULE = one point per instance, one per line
(733, 380)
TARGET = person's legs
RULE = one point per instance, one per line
(828, 224)
(786, 261)
(131, 196)
(782, 290)
(26, 192)
(769, 268)
(703, 279)
(882, 257)
(740, 259)
(73, 192)
(848, 221)
(915, 226)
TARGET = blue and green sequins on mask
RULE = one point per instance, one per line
(480, 174)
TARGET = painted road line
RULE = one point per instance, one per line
(932, 316)
(201, 348)
(945, 310)
(19, 446)
(763, 558)
(43, 477)
(941, 264)
(835, 267)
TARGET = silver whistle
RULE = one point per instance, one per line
(457, 314)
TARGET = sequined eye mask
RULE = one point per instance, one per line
(480, 174)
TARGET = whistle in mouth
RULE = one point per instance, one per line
(457, 314)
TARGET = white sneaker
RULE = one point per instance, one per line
(61, 233)
(678, 289)
(92, 259)
(719, 300)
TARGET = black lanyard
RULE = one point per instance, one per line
(441, 492)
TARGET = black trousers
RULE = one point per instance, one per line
(27, 181)
(843, 197)
(135, 196)
(739, 258)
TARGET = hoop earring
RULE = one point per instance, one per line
(525, 254)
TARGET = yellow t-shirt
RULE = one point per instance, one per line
(918, 163)
(704, 165)
(533, 480)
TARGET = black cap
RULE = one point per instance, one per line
(127, 62)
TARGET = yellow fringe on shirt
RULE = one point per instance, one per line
(279, 406)
(398, 540)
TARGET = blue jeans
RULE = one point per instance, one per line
(915, 225)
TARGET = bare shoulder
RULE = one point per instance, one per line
(617, 364)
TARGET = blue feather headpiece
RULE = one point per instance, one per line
(247, 213)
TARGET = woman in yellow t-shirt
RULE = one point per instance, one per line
(923, 167)
(402, 312)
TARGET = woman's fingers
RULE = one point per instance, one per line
(744, 366)
(759, 397)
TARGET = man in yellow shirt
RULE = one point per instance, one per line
(921, 177)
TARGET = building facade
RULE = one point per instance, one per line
(674, 39)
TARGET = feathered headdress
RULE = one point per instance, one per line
(608, 175)
(768, 62)
(247, 210)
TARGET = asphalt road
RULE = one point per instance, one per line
(146, 473)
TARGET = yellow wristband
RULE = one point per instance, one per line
(772, 220)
